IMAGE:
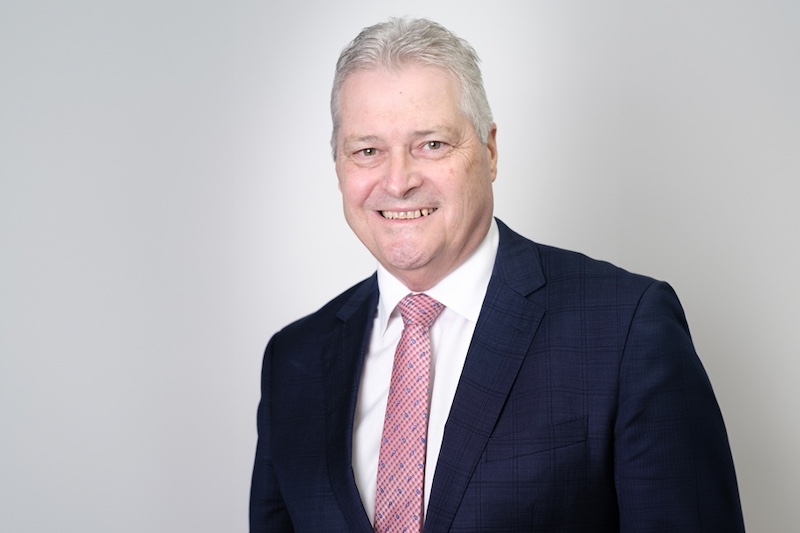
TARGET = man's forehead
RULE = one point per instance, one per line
(367, 91)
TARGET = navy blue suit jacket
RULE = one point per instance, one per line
(582, 406)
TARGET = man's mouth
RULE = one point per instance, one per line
(405, 215)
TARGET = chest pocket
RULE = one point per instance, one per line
(545, 438)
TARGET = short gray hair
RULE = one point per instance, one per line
(397, 42)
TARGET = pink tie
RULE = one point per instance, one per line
(401, 466)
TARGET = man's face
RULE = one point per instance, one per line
(416, 181)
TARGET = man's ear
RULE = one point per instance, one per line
(491, 148)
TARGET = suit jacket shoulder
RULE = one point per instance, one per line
(527, 266)
(332, 313)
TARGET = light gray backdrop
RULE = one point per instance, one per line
(167, 202)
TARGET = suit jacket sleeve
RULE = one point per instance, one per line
(673, 466)
(267, 509)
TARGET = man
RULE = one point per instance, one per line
(551, 392)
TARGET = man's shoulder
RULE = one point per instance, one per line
(560, 263)
(335, 311)
(567, 269)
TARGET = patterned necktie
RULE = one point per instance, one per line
(401, 466)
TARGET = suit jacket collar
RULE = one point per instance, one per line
(343, 361)
(503, 335)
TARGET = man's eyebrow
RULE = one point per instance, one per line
(361, 139)
(374, 139)
(443, 129)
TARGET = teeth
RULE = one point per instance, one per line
(404, 215)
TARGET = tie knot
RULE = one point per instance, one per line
(419, 309)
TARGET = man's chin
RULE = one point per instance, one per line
(405, 263)
(417, 271)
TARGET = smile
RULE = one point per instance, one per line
(405, 215)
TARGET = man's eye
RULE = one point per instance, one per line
(367, 152)
(433, 145)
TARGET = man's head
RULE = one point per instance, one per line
(392, 44)
(415, 148)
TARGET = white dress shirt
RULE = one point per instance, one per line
(462, 292)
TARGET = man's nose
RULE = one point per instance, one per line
(402, 174)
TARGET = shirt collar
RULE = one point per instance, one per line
(474, 273)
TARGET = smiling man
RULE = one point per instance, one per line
(415, 178)
(478, 381)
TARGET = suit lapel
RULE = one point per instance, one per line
(343, 360)
(503, 335)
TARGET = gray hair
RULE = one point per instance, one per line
(396, 42)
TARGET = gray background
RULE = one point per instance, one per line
(167, 202)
